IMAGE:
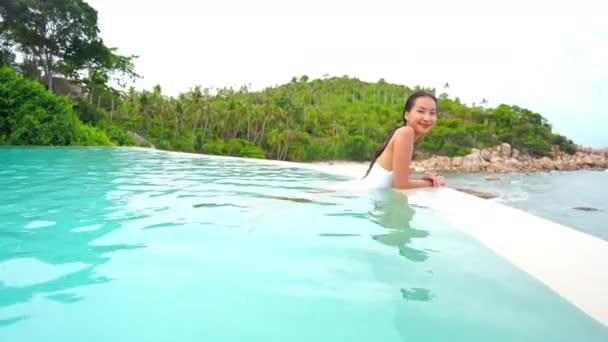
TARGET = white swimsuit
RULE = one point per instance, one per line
(378, 178)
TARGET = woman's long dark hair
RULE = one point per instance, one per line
(409, 103)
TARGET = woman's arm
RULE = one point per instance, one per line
(403, 147)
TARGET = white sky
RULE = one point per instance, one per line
(548, 56)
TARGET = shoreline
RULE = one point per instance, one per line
(505, 159)
(357, 168)
(477, 162)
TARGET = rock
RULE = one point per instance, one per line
(498, 164)
(494, 168)
(63, 86)
(437, 163)
(584, 160)
(513, 164)
(456, 162)
(599, 161)
(497, 167)
(505, 150)
(515, 154)
(583, 149)
(443, 163)
(480, 194)
(570, 166)
(546, 163)
(525, 166)
(140, 140)
(525, 157)
(472, 162)
(486, 154)
(427, 165)
(585, 209)
(492, 177)
(504, 158)
(418, 168)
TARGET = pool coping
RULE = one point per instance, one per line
(517, 236)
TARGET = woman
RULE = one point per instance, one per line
(390, 167)
(391, 164)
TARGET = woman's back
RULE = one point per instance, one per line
(378, 177)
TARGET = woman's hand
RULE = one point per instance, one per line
(436, 180)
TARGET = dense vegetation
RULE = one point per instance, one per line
(329, 118)
(30, 115)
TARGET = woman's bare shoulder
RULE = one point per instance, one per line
(405, 132)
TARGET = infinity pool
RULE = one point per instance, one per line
(113, 244)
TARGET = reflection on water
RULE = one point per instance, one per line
(395, 214)
(53, 221)
(13, 294)
(391, 210)
(416, 294)
(59, 207)
(13, 320)
(65, 298)
(55, 211)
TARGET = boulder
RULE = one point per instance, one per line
(457, 162)
(585, 209)
(472, 162)
(480, 194)
(64, 87)
(584, 160)
(141, 141)
(486, 154)
(515, 154)
(505, 150)
(545, 163)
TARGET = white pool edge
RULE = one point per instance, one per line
(572, 263)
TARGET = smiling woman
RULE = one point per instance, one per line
(391, 164)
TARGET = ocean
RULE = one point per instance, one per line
(573, 198)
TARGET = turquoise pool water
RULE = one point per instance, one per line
(103, 244)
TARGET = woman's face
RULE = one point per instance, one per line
(422, 116)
